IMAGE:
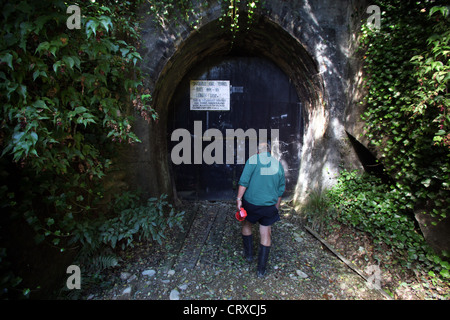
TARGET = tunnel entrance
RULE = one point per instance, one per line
(261, 96)
(273, 83)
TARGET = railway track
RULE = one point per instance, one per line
(204, 261)
(211, 241)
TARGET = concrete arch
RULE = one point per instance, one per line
(265, 38)
(313, 52)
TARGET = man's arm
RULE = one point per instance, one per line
(240, 194)
(278, 203)
(281, 186)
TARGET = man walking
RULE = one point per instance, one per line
(261, 186)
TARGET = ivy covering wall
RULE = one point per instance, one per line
(66, 98)
(67, 95)
(407, 69)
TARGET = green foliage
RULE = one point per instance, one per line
(367, 204)
(407, 118)
(59, 85)
(237, 14)
(408, 103)
(233, 11)
(127, 221)
(8, 278)
(317, 209)
(165, 12)
(147, 222)
(66, 97)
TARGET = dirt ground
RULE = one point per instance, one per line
(205, 262)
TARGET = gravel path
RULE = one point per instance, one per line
(205, 263)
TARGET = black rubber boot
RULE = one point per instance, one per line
(248, 247)
(263, 256)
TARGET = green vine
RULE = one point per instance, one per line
(165, 12)
(65, 97)
(408, 102)
(369, 205)
(407, 71)
(233, 14)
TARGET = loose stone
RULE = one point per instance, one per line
(174, 295)
(149, 273)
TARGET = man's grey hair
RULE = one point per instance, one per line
(264, 147)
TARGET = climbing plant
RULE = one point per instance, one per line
(408, 103)
(365, 202)
(406, 62)
(165, 12)
(236, 14)
(66, 96)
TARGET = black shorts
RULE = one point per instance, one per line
(265, 215)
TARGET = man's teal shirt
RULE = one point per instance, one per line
(263, 176)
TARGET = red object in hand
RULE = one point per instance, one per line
(240, 215)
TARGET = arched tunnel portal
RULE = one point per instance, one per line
(282, 89)
(296, 61)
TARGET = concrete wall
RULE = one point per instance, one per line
(313, 41)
